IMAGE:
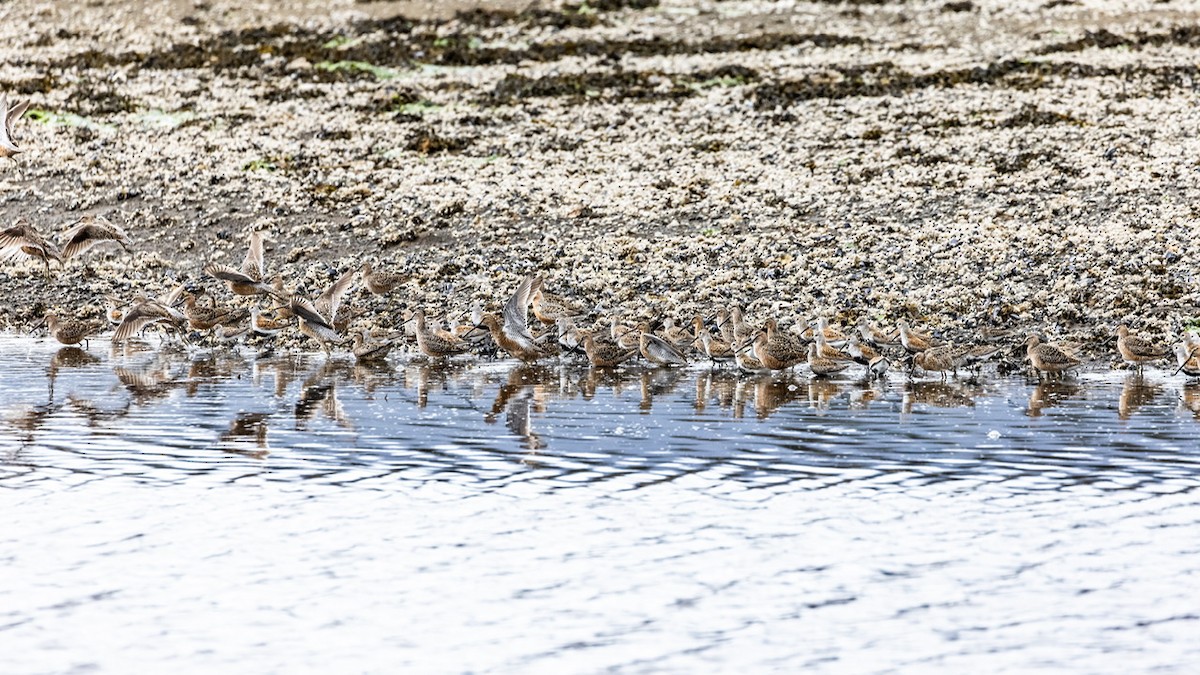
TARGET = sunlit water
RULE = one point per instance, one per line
(217, 513)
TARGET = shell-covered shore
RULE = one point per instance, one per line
(1016, 165)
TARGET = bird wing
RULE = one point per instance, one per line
(79, 239)
(1140, 346)
(12, 239)
(658, 349)
(516, 312)
(227, 273)
(5, 135)
(305, 310)
(12, 115)
(253, 264)
(1052, 354)
(21, 235)
(171, 297)
(328, 302)
(139, 317)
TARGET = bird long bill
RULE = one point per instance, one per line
(1185, 361)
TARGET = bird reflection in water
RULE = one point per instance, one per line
(1189, 399)
(319, 395)
(716, 386)
(527, 390)
(26, 421)
(657, 382)
(426, 377)
(938, 394)
(283, 369)
(821, 393)
(152, 381)
(212, 368)
(370, 375)
(96, 415)
(247, 435)
(67, 358)
(1136, 392)
(766, 393)
(1050, 393)
(865, 392)
(593, 379)
(71, 357)
(128, 348)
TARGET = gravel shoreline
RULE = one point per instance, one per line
(1025, 166)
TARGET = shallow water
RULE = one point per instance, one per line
(295, 514)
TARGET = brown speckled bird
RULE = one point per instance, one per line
(88, 232)
(1048, 358)
(23, 237)
(1138, 351)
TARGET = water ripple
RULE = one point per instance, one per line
(500, 517)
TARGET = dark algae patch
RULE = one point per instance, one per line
(614, 85)
(1032, 116)
(429, 141)
(1186, 36)
(396, 44)
(885, 79)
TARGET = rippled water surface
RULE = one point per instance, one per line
(297, 514)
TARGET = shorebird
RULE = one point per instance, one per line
(1189, 360)
(436, 342)
(205, 318)
(973, 357)
(658, 351)
(90, 231)
(913, 341)
(114, 310)
(266, 326)
(71, 331)
(715, 349)
(1191, 340)
(146, 312)
(827, 350)
(8, 147)
(745, 358)
(510, 336)
(316, 319)
(549, 308)
(725, 326)
(742, 332)
(381, 283)
(780, 339)
(938, 359)
(606, 354)
(679, 336)
(1138, 351)
(229, 334)
(1048, 358)
(878, 366)
(570, 338)
(250, 279)
(822, 366)
(821, 325)
(368, 349)
(512, 333)
(861, 352)
(875, 337)
(778, 354)
(624, 336)
(23, 237)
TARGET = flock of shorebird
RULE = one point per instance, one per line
(725, 337)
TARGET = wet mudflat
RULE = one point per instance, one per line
(486, 515)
